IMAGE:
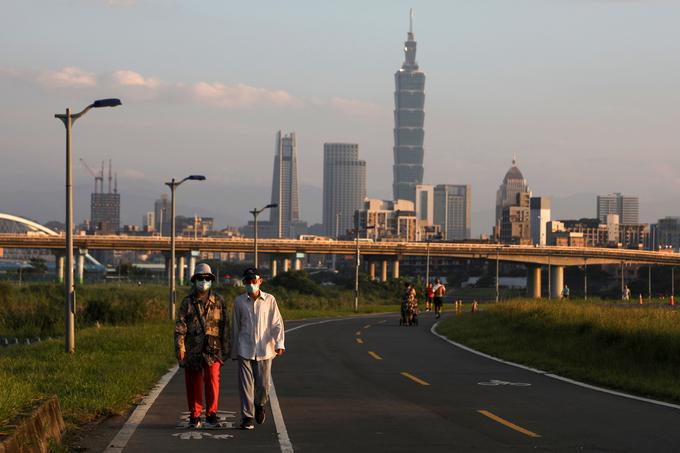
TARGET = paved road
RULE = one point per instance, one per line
(369, 385)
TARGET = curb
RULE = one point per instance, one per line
(32, 432)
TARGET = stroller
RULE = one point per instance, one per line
(409, 313)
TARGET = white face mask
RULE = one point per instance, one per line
(203, 285)
(252, 288)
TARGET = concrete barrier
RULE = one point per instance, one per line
(32, 431)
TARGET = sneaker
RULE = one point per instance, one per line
(260, 414)
(194, 422)
(212, 420)
(247, 423)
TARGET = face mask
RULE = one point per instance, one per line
(203, 285)
(252, 288)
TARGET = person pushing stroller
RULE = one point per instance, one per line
(409, 306)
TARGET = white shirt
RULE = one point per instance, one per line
(257, 327)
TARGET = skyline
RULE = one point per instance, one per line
(607, 105)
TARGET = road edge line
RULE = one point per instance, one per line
(554, 376)
(284, 440)
(119, 442)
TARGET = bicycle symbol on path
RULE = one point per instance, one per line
(496, 382)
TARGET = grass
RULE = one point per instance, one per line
(112, 367)
(622, 346)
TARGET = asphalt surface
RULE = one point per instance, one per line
(366, 384)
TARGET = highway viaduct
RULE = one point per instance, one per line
(287, 250)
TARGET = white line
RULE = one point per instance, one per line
(284, 440)
(555, 376)
(126, 432)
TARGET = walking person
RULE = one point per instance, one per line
(565, 293)
(202, 345)
(429, 296)
(257, 337)
(438, 298)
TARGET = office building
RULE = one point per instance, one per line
(409, 116)
(666, 234)
(344, 187)
(162, 215)
(285, 187)
(540, 216)
(424, 204)
(452, 211)
(105, 206)
(148, 224)
(389, 220)
(515, 221)
(626, 207)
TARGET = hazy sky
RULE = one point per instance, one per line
(586, 93)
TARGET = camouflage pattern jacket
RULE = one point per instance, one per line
(189, 335)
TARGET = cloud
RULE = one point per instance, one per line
(131, 78)
(220, 95)
(68, 77)
(355, 107)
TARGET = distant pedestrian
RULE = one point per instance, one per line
(257, 337)
(202, 344)
(565, 293)
(626, 293)
(429, 296)
(438, 298)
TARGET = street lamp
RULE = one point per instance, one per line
(356, 269)
(255, 212)
(69, 288)
(173, 185)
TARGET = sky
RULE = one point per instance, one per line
(586, 94)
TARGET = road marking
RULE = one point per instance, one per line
(359, 340)
(510, 425)
(367, 326)
(284, 439)
(196, 435)
(553, 376)
(358, 332)
(414, 379)
(381, 322)
(126, 432)
(496, 382)
(374, 355)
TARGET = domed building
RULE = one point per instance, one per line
(512, 193)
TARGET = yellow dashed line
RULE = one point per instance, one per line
(358, 332)
(510, 425)
(359, 340)
(374, 355)
(367, 326)
(381, 322)
(414, 379)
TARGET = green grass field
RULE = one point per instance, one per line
(616, 345)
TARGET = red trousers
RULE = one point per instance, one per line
(210, 376)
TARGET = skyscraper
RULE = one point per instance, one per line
(161, 215)
(452, 210)
(285, 187)
(627, 208)
(424, 204)
(539, 218)
(105, 207)
(513, 184)
(344, 187)
(409, 100)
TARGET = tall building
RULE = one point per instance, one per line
(285, 187)
(666, 234)
(513, 184)
(105, 208)
(627, 208)
(409, 101)
(424, 204)
(390, 220)
(344, 187)
(452, 211)
(148, 222)
(161, 215)
(540, 216)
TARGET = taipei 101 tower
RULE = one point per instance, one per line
(409, 100)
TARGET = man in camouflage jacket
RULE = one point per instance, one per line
(202, 336)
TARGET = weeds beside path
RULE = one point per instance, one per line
(635, 349)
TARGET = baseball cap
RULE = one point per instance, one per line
(251, 273)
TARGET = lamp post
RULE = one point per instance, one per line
(173, 186)
(427, 263)
(255, 212)
(356, 268)
(69, 288)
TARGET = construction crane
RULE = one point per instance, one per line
(98, 179)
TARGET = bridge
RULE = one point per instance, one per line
(286, 251)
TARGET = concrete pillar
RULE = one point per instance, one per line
(534, 281)
(286, 264)
(298, 264)
(274, 267)
(192, 265)
(60, 268)
(383, 275)
(395, 269)
(371, 269)
(180, 270)
(556, 281)
(80, 278)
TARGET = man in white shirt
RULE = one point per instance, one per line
(257, 337)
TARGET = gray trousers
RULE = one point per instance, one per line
(254, 380)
